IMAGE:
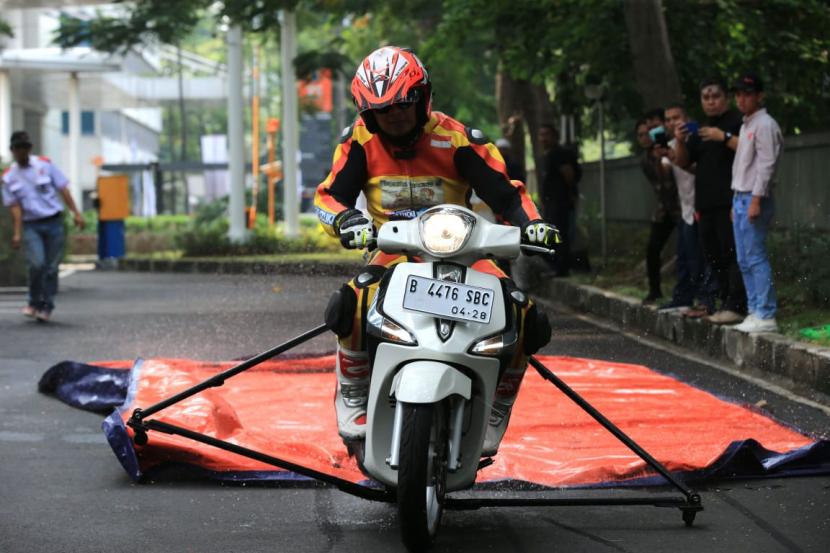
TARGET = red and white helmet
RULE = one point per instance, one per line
(391, 75)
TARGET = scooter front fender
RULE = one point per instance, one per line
(429, 382)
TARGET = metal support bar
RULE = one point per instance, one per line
(219, 379)
(461, 504)
(548, 375)
(364, 492)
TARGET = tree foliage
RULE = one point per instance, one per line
(560, 43)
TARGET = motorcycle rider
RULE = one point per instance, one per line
(405, 158)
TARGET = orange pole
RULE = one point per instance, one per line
(271, 156)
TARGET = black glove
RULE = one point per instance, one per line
(354, 229)
(540, 233)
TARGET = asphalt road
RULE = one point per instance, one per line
(62, 490)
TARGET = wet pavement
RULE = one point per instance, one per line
(62, 490)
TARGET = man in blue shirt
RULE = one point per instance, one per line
(32, 189)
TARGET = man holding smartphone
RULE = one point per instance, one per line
(712, 149)
(657, 169)
(693, 277)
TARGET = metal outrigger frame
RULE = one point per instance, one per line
(689, 504)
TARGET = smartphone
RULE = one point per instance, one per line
(659, 137)
(692, 127)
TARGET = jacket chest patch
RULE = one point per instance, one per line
(411, 193)
(440, 143)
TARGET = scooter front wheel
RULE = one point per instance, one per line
(422, 473)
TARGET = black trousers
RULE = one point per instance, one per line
(659, 235)
(559, 215)
(718, 241)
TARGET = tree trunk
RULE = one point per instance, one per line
(521, 103)
(654, 69)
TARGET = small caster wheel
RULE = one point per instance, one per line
(689, 517)
(140, 437)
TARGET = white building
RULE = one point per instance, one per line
(116, 100)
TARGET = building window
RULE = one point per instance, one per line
(87, 123)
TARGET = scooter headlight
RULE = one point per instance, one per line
(445, 231)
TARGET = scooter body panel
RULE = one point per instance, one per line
(391, 358)
(429, 382)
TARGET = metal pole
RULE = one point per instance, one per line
(288, 47)
(604, 229)
(548, 375)
(182, 133)
(5, 114)
(74, 139)
(219, 379)
(254, 138)
(236, 136)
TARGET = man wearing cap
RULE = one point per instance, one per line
(759, 148)
(32, 189)
(712, 149)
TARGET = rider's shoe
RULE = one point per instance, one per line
(350, 404)
(352, 394)
(496, 427)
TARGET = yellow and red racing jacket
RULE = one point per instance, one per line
(446, 164)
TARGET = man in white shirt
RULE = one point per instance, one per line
(759, 148)
(694, 280)
(36, 191)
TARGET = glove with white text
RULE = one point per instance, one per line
(355, 230)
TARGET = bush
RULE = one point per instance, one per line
(207, 235)
(800, 256)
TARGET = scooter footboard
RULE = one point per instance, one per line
(429, 382)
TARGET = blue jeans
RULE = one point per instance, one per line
(751, 250)
(43, 241)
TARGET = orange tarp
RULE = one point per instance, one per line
(284, 408)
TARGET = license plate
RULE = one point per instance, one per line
(448, 300)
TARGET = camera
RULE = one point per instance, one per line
(659, 137)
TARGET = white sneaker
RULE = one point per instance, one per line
(754, 325)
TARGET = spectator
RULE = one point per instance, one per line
(657, 168)
(759, 148)
(558, 192)
(712, 149)
(32, 188)
(693, 277)
(515, 169)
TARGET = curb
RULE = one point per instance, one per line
(805, 365)
(237, 267)
(769, 353)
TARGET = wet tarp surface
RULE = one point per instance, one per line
(284, 408)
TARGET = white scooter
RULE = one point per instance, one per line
(438, 333)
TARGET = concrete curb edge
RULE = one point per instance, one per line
(802, 363)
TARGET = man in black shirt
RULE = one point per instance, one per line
(558, 192)
(712, 150)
